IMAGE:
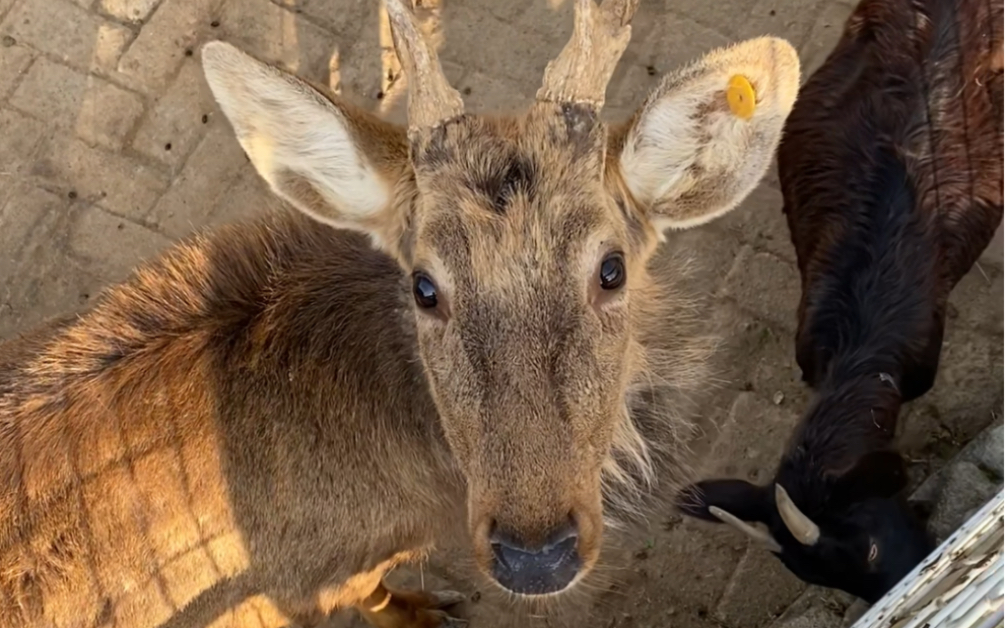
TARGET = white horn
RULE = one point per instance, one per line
(762, 537)
(801, 527)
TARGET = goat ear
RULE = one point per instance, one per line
(336, 164)
(876, 475)
(706, 136)
(737, 497)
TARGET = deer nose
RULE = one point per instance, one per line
(547, 568)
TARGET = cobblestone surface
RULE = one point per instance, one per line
(111, 147)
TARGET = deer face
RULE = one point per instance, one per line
(524, 242)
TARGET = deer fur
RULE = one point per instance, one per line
(268, 412)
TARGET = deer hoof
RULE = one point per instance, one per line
(445, 599)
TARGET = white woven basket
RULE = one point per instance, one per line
(959, 585)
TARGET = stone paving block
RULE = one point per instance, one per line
(676, 42)
(278, 36)
(52, 92)
(766, 286)
(65, 31)
(823, 37)
(247, 197)
(108, 114)
(510, 52)
(485, 94)
(128, 10)
(813, 617)
(175, 27)
(17, 143)
(757, 357)
(14, 61)
(711, 13)
(993, 254)
(111, 43)
(628, 90)
(111, 245)
(208, 173)
(551, 19)
(817, 607)
(341, 16)
(965, 489)
(512, 10)
(790, 19)
(51, 286)
(761, 588)
(976, 301)
(18, 217)
(359, 60)
(118, 183)
(703, 254)
(984, 451)
(751, 440)
(97, 111)
(970, 361)
(174, 125)
(760, 222)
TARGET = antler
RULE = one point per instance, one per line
(431, 99)
(580, 73)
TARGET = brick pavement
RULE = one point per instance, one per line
(111, 148)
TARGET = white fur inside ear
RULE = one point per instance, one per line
(287, 128)
(697, 149)
(669, 141)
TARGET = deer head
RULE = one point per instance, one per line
(524, 240)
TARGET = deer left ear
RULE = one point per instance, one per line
(705, 137)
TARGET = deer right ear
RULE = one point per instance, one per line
(338, 165)
(706, 136)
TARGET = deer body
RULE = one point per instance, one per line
(457, 331)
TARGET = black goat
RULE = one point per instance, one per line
(891, 170)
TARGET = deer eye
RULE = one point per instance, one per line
(612, 272)
(424, 291)
(873, 552)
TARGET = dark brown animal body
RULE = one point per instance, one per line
(891, 170)
(458, 334)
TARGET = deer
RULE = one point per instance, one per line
(452, 330)
(891, 173)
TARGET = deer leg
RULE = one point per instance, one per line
(387, 608)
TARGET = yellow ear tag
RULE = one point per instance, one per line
(741, 97)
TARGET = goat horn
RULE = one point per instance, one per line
(760, 536)
(580, 73)
(801, 526)
(431, 99)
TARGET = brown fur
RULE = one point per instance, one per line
(264, 411)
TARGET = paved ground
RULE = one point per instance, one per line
(110, 148)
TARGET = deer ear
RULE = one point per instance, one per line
(706, 136)
(336, 164)
(737, 497)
